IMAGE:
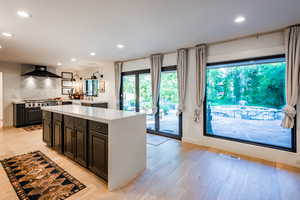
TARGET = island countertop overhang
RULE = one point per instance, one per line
(91, 113)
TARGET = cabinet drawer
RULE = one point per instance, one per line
(98, 127)
(57, 116)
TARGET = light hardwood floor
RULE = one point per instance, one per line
(174, 171)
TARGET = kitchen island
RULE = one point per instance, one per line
(110, 143)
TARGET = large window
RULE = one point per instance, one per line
(244, 102)
(136, 96)
(91, 87)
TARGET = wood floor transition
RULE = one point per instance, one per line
(174, 171)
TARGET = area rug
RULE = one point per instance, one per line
(156, 140)
(33, 128)
(35, 176)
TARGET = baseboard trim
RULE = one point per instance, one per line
(274, 164)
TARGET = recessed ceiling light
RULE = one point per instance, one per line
(93, 54)
(7, 34)
(239, 19)
(120, 46)
(59, 63)
(23, 14)
(73, 59)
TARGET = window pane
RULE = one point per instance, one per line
(168, 103)
(129, 95)
(245, 102)
(145, 100)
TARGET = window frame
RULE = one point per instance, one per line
(293, 131)
(146, 71)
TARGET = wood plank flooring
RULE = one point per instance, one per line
(174, 171)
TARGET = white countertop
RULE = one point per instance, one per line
(91, 113)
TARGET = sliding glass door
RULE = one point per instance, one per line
(145, 99)
(168, 103)
(129, 93)
(136, 95)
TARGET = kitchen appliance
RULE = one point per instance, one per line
(29, 112)
(40, 103)
(41, 71)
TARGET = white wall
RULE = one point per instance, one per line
(1, 96)
(108, 75)
(271, 44)
(16, 87)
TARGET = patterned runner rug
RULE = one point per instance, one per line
(35, 176)
(33, 128)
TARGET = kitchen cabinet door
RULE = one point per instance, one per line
(69, 137)
(33, 116)
(81, 141)
(98, 153)
(57, 132)
(47, 128)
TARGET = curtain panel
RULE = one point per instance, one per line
(155, 70)
(182, 71)
(292, 46)
(118, 72)
(200, 78)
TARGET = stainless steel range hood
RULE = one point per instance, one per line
(41, 71)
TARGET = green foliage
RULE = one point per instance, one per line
(257, 85)
(168, 91)
(145, 92)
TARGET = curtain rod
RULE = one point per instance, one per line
(218, 42)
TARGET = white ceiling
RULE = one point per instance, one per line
(62, 29)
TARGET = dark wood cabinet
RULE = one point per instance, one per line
(26, 116)
(83, 141)
(98, 148)
(98, 152)
(66, 103)
(33, 116)
(80, 129)
(19, 115)
(99, 105)
(75, 139)
(47, 128)
(57, 132)
(69, 138)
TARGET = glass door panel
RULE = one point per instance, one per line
(168, 103)
(129, 93)
(145, 99)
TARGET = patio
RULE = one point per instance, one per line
(256, 124)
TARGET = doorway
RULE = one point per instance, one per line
(136, 96)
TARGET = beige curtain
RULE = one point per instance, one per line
(292, 75)
(182, 70)
(156, 65)
(118, 71)
(200, 79)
